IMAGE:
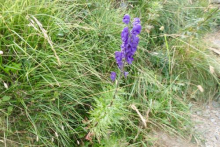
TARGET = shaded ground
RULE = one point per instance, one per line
(207, 126)
(166, 140)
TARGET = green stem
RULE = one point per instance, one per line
(117, 84)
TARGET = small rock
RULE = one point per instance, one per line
(216, 137)
(215, 1)
(212, 120)
(207, 111)
(198, 113)
(215, 104)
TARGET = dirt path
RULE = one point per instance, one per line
(207, 119)
(207, 127)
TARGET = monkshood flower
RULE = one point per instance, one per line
(126, 19)
(113, 76)
(136, 29)
(131, 47)
(136, 21)
(125, 35)
(119, 59)
(130, 41)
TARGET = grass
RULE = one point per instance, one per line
(58, 56)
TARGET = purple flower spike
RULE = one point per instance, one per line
(126, 19)
(126, 74)
(113, 76)
(129, 45)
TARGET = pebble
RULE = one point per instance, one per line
(198, 113)
(212, 120)
(216, 137)
(215, 104)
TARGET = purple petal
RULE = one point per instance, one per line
(126, 19)
(129, 59)
(136, 21)
(136, 29)
(113, 76)
(126, 74)
(135, 41)
(125, 34)
(119, 59)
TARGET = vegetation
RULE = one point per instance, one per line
(57, 58)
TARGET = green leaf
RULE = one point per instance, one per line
(10, 109)
(6, 98)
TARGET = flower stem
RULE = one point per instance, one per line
(117, 83)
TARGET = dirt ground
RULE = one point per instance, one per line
(207, 120)
(207, 127)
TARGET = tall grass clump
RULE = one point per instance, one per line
(188, 54)
(56, 62)
(179, 27)
(48, 73)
